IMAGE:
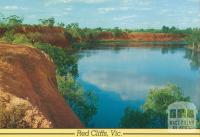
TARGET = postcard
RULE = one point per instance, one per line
(100, 68)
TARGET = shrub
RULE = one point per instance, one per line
(34, 37)
(8, 36)
(20, 39)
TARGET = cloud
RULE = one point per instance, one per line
(13, 7)
(135, 2)
(132, 88)
(105, 10)
(124, 17)
(193, 1)
(51, 2)
(124, 8)
(143, 9)
(138, 5)
(32, 16)
(68, 9)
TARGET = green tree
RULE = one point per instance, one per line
(61, 24)
(158, 100)
(13, 21)
(153, 112)
(165, 29)
(84, 103)
(48, 22)
(75, 32)
(65, 63)
(194, 38)
(117, 32)
(134, 119)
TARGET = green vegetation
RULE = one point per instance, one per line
(153, 112)
(194, 38)
(84, 103)
(192, 53)
(134, 119)
(194, 57)
(65, 63)
(11, 22)
(47, 22)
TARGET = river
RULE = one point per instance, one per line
(122, 77)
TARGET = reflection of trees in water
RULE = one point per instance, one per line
(194, 57)
(170, 49)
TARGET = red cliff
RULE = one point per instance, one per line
(27, 76)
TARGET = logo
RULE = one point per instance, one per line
(182, 115)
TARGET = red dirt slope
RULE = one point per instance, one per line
(28, 75)
(44, 34)
(147, 37)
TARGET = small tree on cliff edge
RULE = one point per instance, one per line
(47, 22)
(13, 21)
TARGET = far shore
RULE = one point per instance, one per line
(132, 43)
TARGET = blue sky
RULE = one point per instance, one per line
(108, 13)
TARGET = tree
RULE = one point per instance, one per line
(65, 63)
(62, 25)
(13, 21)
(134, 119)
(165, 29)
(153, 112)
(158, 100)
(75, 32)
(117, 32)
(194, 38)
(173, 29)
(48, 22)
(84, 103)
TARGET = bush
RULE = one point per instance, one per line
(34, 37)
(84, 103)
(21, 39)
(8, 36)
(18, 38)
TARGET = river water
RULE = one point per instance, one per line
(122, 77)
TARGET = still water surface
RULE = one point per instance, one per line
(122, 77)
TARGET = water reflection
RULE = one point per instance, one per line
(194, 58)
(127, 75)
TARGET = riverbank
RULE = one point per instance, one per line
(132, 43)
(142, 37)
